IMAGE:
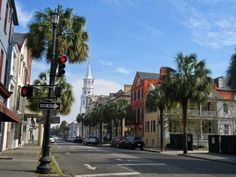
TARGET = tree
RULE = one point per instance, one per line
(157, 98)
(80, 119)
(231, 72)
(121, 106)
(41, 91)
(190, 82)
(63, 127)
(71, 39)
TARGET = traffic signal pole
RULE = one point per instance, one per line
(44, 166)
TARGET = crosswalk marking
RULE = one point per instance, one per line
(109, 174)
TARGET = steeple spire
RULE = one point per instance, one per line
(89, 73)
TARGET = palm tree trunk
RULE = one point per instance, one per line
(89, 129)
(116, 124)
(121, 127)
(185, 141)
(161, 130)
(100, 132)
(82, 130)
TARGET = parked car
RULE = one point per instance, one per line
(70, 139)
(78, 139)
(132, 142)
(118, 141)
(93, 140)
(51, 139)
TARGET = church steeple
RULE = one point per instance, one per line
(87, 90)
(89, 73)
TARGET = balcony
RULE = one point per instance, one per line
(193, 113)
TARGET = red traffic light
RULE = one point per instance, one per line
(63, 59)
(27, 91)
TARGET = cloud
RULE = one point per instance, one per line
(23, 15)
(149, 29)
(207, 28)
(104, 87)
(121, 3)
(106, 63)
(122, 70)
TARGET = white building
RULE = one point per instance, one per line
(73, 129)
(87, 90)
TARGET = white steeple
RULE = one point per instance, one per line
(87, 90)
(89, 74)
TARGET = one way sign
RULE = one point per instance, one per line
(48, 105)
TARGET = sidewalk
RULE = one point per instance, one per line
(20, 162)
(199, 154)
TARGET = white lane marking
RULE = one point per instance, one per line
(90, 167)
(138, 164)
(110, 174)
(125, 156)
(119, 159)
(67, 153)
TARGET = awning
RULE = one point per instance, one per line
(6, 115)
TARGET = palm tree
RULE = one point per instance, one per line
(121, 106)
(231, 72)
(41, 91)
(158, 99)
(191, 82)
(80, 119)
(71, 37)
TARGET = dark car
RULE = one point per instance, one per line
(133, 142)
(93, 140)
(118, 141)
(78, 139)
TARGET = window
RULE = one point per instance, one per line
(134, 95)
(226, 129)
(154, 126)
(226, 108)
(10, 33)
(139, 94)
(6, 17)
(1, 61)
(131, 96)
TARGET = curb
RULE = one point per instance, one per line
(203, 158)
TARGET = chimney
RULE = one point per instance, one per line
(163, 72)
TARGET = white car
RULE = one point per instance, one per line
(51, 139)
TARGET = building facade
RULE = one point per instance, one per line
(139, 90)
(8, 19)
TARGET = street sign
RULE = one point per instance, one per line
(54, 120)
(48, 105)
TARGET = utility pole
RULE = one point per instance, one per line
(44, 166)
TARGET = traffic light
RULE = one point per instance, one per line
(27, 91)
(57, 91)
(62, 64)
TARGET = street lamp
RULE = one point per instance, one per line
(44, 166)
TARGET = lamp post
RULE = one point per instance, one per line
(44, 166)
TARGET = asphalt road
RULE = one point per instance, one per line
(89, 161)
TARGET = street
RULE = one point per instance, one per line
(81, 161)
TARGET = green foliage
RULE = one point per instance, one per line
(41, 93)
(231, 72)
(71, 39)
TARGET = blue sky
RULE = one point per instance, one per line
(126, 36)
